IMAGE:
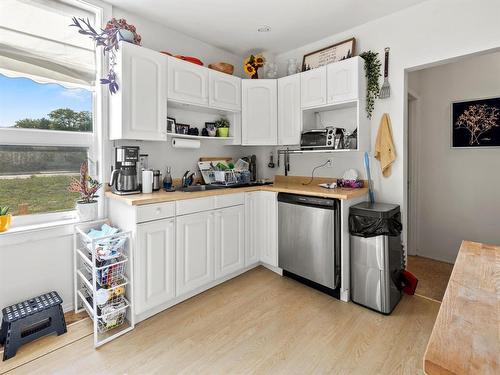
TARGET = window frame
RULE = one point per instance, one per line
(91, 140)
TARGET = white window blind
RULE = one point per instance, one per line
(37, 42)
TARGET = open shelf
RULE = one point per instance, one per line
(175, 135)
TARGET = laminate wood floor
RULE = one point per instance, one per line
(258, 323)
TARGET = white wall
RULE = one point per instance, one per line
(458, 196)
(435, 30)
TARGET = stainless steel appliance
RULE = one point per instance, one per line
(309, 238)
(156, 180)
(124, 176)
(376, 260)
(327, 138)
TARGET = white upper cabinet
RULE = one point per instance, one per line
(259, 112)
(313, 87)
(154, 264)
(343, 80)
(289, 112)
(139, 109)
(187, 82)
(229, 240)
(225, 91)
(194, 251)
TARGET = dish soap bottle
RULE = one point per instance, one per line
(167, 180)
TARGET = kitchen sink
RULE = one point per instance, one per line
(200, 188)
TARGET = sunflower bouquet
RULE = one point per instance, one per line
(252, 64)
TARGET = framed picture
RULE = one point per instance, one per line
(182, 128)
(170, 125)
(475, 123)
(337, 52)
(210, 126)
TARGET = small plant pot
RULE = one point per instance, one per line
(222, 132)
(5, 221)
(126, 35)
(87, 211)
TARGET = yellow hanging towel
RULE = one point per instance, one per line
(384, 145)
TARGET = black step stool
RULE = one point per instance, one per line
(29, 320)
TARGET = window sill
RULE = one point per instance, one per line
(35, 232)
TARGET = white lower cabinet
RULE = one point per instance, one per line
(229, 240)
(154, 264)
(261, 227)
(194, 251)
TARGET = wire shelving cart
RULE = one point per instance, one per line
(103, 279)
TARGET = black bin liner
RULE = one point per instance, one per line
(371, 220)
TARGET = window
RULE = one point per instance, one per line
(47, 106)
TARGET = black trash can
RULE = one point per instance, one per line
(376, 255)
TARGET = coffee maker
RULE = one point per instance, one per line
(124, 176)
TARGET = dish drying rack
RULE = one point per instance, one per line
(238, 175)
(103, 283)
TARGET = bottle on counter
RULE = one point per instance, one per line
(167, 180)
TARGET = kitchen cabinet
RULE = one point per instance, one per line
(261, 228)
(187, 82)
(268, 228)
(289, 111)
(313, 87)
(259, 112)
(154, 264)
(343, 80)
(252, 220)
(194, 251)
(225, 91)
(138, 110)
(229, 240)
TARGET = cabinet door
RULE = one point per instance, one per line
(313, 87)
(229, 240)
(289, 111)
(194, 251)
(187, 82)
(139, 109)
(225, 91)
(252, 235)
(343, 80)
(154, 264)
(259, 112)
(268, 216)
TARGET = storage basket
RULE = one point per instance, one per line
(109, 275)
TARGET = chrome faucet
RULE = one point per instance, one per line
(187, 179)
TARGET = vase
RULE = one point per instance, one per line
(5, 221)
(222, 132)
(255, 76)
(87, 211)
(126, 35)
(292, 66)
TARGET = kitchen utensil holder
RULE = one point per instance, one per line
(103, 267)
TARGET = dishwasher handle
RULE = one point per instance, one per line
(306, 200)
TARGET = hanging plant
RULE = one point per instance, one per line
(372, 74)
(108, 39)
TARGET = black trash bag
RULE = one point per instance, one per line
(365, 226)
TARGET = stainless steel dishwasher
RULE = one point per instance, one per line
(309, 238)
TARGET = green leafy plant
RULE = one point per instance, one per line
(222, 123)
(85, 185)
(4, 210)
(372, 74)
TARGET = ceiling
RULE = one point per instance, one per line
(232, 24)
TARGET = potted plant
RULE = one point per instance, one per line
(222, 126)
(87, 187)
(108, 39)
(252, 64)
(5, 218)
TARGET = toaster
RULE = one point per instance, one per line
(327, 138)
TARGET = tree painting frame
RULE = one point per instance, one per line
(475, 123)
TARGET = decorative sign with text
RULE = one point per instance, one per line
(328, 55)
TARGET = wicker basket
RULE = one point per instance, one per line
(222, 67)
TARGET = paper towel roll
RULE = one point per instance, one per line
(185, 143)
(147, 181)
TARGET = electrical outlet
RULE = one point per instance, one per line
(329, 163)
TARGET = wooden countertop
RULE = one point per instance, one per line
(281, 184)
(465, 338)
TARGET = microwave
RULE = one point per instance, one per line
(327, 138)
